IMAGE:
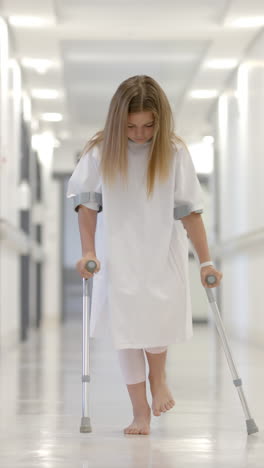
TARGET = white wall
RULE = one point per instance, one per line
(13, 243)
(10, 98)
(241, 162)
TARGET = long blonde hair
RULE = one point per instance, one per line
(136, 94)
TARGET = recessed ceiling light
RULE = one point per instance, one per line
(30, 21)
(39, 65)
(52, 117)
(219, 64)
(248, 22)
(203, 93)
(45, 93)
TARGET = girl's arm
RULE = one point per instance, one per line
(193, 223)
(87, 219)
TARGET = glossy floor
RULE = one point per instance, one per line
(41, 407)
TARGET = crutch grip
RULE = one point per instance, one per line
(210, 279)
(91, 266)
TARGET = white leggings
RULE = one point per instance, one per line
(132, 363)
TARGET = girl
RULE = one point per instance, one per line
(140, 177)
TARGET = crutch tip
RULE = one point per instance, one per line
(252, 428)
(85, 425)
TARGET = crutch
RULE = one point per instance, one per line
(85, 421)
(250, 423)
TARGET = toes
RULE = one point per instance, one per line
(144, 432)
(132, 431)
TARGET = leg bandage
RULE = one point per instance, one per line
(132, 363)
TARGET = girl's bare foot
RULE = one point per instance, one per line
(141, 422)
(162, 399)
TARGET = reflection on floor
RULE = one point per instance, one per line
(40, 407)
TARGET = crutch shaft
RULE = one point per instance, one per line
(250, 423)
(86, 351)
(236, 379)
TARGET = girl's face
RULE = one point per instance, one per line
(140, 126)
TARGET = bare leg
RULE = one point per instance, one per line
(133, 367)
(162, 399)
(141, 409)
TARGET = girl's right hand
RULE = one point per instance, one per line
(81, 268)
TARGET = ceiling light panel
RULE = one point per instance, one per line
(39, 65)
(203, 93)
(51, 117)
(94, 69)
(247, 22)
(202, 10)
(221, 64)
(46, 93)
(31, 21)
(89, 51)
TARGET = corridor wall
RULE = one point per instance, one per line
(239, 128)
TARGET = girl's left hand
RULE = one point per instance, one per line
(210, 270)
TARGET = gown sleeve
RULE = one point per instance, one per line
(85, 183)
(188, 195)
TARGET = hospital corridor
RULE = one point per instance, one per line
(126, 76)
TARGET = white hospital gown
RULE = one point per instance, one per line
(141, 294)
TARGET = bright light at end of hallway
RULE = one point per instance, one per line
(202, 154)
(208, 139)
(44, 144)
(52, 117)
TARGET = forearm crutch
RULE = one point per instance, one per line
(85, 421)
(250, 423)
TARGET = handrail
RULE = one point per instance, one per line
(19, 241)
(234, 245)
(14, 237)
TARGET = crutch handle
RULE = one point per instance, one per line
(91, 266)
(210, 279)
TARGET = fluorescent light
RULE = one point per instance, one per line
(39, 65)
(203, 93)
(52, 117)
(45, 93)
(30, 21)
(223, 64)
(248, 22)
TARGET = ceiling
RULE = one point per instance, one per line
(94, 45)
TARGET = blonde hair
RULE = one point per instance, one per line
(136, 94)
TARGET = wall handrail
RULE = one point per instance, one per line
(17, 240)
(232, 246)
